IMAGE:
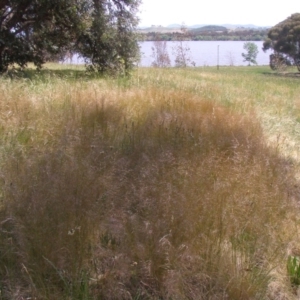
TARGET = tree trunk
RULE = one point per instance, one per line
(3, 66)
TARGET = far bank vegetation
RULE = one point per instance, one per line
(207, 33)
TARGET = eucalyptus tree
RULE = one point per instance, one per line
(284, 39)
(109, 42)
(32, 29)
(102, 31)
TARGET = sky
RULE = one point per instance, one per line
(216, 12)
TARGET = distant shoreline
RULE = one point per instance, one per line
(205, 33)
(205, 39)
(245, 35)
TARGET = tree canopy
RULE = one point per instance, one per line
(101, 31)
(251, 54)
(284, 39)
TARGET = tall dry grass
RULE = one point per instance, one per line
(131, 190)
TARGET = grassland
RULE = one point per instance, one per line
(170, 184)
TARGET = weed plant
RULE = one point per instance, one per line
(141, 188)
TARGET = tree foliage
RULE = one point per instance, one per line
(284, 39)
(251, 54)
(109, 43)
(101, 31)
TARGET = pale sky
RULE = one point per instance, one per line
(216, 12)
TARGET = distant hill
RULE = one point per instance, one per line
(210, 28)
(174, 26)
(248, 26)
(159, 29)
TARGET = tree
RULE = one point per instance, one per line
(160, 54)
(182, 51)
(31, 29)
(251, 54)
(102, 31)
(284, 39)
(109, 44)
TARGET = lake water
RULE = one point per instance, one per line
(205, 53)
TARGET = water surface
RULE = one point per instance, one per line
(205, 53)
